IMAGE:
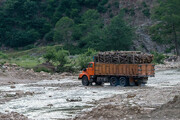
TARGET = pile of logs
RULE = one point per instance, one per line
(123, 57)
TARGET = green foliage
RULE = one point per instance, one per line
(73, 49)
(25, 61)
(116, 4)
(90, 26)
(63, 30)
(158, 58)
(75, 24)
(144, 4)
(157, 36)
(118, 36)
(129, 11)
(101, 8)
(49, 36)
(59, 57)
(146, 12)
(168, 28)
(91, 3)
(50, 54)
(3, 56)
(85, 58)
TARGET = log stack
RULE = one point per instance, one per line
(123, 57)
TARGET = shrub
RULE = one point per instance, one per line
(85, 58)
(61, 57)
(3, 56)
(49, 36)
(29, 47)
(158, 58)
(73, 49)
(50, 54)
(146, 12)
(144, 4)
(116, 4)
(101, 8)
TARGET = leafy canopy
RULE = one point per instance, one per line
(168, 28)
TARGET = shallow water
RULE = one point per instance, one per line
(165, 78)
(50, 102)
(40, 106)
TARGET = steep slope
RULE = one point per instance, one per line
(138, 15)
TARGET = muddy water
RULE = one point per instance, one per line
(165, 78)
(50, 102)
(50, 96)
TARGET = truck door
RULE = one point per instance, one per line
(90, 69)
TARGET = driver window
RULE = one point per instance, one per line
(91, 65)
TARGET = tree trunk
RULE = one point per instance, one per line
(175, 41)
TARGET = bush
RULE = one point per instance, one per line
(29, 47)
(49, 36)
(3, 56)
(85, 58)
(50, 55)
(63, 30)
(146, 12)
(158, 58)
(116, 4)
(73, 49)
(144, 4)
(101, 8)
(61, 57)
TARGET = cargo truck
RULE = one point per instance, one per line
(117, 74)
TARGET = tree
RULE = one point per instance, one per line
(91, 28)
(118, 35)
(64, 30)
(168, 28)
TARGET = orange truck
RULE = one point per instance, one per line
(117, 74)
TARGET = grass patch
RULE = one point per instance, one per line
(27, 61)
(38, 51)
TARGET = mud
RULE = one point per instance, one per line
(12, 116)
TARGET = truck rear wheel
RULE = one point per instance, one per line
(124, 81)
(114, 81)
(85, 81)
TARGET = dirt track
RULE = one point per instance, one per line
(63, 97)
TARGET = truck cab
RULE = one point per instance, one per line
(88, 72)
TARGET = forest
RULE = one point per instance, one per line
(78, 24)
(75, 23)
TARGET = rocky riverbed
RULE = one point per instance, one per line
(61, 96)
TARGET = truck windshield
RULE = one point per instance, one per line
(90, 65)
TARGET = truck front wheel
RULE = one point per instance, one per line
(114, 81)
(124, 81)
(85, 81)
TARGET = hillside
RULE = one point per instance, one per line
(80, 24)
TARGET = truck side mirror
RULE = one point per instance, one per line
(84, 69)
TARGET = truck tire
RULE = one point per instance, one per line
(85, 81)
(114, 81)
(124, 81)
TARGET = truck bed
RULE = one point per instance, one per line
(135, 70)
